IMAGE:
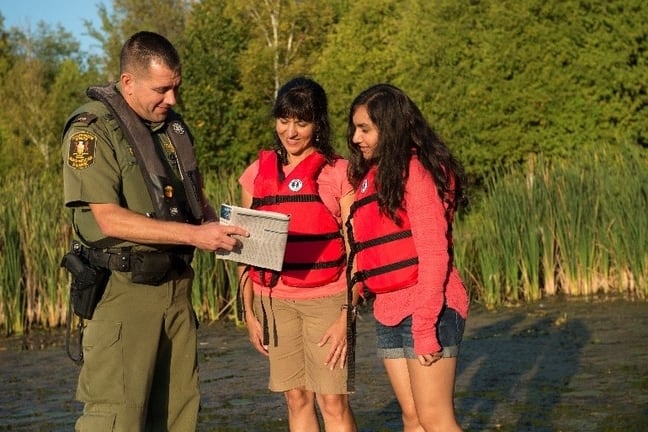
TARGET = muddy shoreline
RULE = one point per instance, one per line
(572, 365)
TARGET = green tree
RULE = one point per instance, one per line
(6, 61)
(6, 53)
(360, 52)
(126, 17)
(537, 77)
(213, 42)
(286, 37)
(35, 105)
(501, 80)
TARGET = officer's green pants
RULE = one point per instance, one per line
(140, 363)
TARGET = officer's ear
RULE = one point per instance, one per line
(127, 80)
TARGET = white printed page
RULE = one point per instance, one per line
(266, 244)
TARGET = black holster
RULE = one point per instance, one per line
(88, 282)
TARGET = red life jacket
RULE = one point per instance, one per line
(386, 259)
(315, 252)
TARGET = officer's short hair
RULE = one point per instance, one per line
(144, 47)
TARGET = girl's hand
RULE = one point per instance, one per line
(430, 359)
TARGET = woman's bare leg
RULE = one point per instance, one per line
(301, 410)
(397, 371)
(433, 394)
(336, 411)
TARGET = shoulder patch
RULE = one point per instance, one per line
(85, 118)
(81, 152)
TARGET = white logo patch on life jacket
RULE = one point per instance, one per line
(364, 185)
(295, 185)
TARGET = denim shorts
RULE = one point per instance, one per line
(397, 341)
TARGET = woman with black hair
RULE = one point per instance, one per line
(304, 309)
(408, 186)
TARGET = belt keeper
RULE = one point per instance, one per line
(353, 309)
(124, 262)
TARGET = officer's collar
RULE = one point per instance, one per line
(154, 126)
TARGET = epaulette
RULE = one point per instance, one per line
(84, 118)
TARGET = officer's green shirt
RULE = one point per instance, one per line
(100, 167)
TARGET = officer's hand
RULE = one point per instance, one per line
(212, 236)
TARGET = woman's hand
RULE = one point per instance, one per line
(336, 336)
(255, 333)
(429, 359)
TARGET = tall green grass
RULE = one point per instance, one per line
(33, 286)
(12, 311)
(36, 233)
(41, 236)
(216, 285)
(577, 228)
(624, 214)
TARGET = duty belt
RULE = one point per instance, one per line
(121, 260)
(118, 261)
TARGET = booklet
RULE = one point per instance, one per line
(266, 244)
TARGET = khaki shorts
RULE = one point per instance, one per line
(296, 327)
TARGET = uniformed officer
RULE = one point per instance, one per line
(138, 210)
